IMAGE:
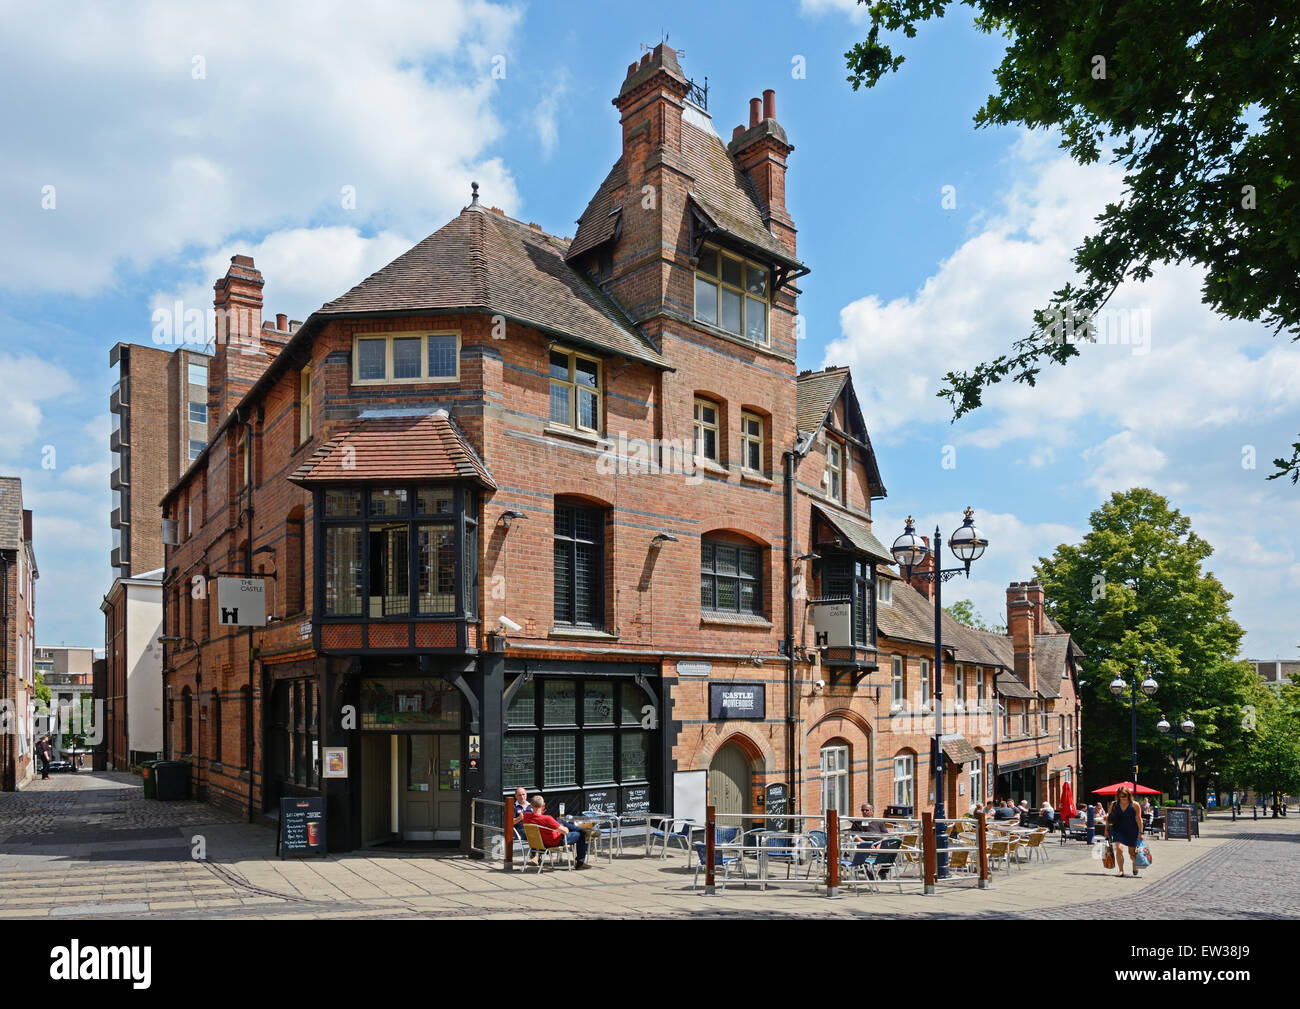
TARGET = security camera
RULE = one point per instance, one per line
(509, 624)
(821, 684)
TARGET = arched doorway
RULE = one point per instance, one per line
(730, 781)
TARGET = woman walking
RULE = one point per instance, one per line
(1124, 828)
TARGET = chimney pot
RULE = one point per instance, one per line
(769, 104)
(737, 131)
(281, 322)
(754, 109)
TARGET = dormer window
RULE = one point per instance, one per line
(732, 294)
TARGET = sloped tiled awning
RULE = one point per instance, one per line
(427, 446)
(958, 749)
(856, 535)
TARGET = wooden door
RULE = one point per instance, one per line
(730, 782)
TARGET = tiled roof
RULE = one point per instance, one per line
(724, 193)
(857, 534)
(599, 222)
(957, 748)
(1049, 658)
(1009, 685)
(11, 513)
(422, 447)
(818, 391)
(484, 261)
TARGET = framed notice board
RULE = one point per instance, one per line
(1178, 822)
(302, 826)
(776, 800)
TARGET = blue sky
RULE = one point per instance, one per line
(173, 142)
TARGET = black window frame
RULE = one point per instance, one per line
(597, 517)
(852, 576)
(463, 518)
(709, 576)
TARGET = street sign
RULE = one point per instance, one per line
(241, 602)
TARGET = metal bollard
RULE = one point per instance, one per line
(510, 821)
(927, 845)
(709, 841)
(983, 850)
(832, 853)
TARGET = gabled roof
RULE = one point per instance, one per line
(817, 394)
(855, 533)
(600, 221)
(427, 446)
(484, 261)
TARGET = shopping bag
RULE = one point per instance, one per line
(1108, 859)
(1142, 857)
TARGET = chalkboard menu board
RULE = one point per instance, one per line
(776, 804)
(737, 700)
(1178, 822)
(636, 802)
(601, 800)
(302, 826)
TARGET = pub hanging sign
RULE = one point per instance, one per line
(737, 700)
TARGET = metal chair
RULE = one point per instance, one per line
(1035, 843)
(856, 864)
(817, 850)
(665, 833)
(720, 858)
(537, 847)
(882, 862)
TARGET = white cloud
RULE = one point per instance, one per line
(1122, 461)
(28, 382)
(295, 102)
(850, 8)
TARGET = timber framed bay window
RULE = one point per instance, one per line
(731, 294)
(731, 578)
(410, 357)
(850, 576)
(575, 391)
(397, 552)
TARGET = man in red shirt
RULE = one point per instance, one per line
(554, 832)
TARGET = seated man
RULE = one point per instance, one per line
(555, 832)
(521, 807)
(1006, 812)
(868, 825)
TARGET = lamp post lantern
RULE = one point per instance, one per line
(1148, 686)
(909, 551)
(1183, 729)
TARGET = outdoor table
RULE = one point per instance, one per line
(615, 826)
(664, 822)
(764, 851)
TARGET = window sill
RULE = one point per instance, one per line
(710, 466)
(752, 476)
(582, 633)
(735, 619)
(740, 341)
(574, 434)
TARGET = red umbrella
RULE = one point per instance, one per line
(1068, 810)
(1135, 789)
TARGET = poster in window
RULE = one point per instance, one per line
(409, 702)
(336, 762)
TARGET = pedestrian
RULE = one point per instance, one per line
(1124, 828)
(43, 756)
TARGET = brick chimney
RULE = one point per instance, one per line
(1024, 620)
(925, 586)
(761, 151)
(243, 346)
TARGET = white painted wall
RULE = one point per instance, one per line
(144, 686)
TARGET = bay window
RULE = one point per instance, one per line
(732, 294)
(849, 576)
(380, 542)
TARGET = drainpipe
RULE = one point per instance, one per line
(789, 459)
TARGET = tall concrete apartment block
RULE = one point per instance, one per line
(159, 406)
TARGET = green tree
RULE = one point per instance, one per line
(1136, 600)
(1200, 104)
(964, 612)
(1268, 760)
(42, 690)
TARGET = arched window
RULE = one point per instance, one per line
(731, 576)
(579, 565)
(835, 776)
(904, 778)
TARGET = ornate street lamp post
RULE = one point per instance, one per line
(910, 550)
(1148, 686)
(1184, 729)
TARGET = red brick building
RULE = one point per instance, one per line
(18, 575)
(540, 512)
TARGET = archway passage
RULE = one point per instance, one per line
(731, 782)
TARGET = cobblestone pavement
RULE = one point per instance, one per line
(90, 845)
